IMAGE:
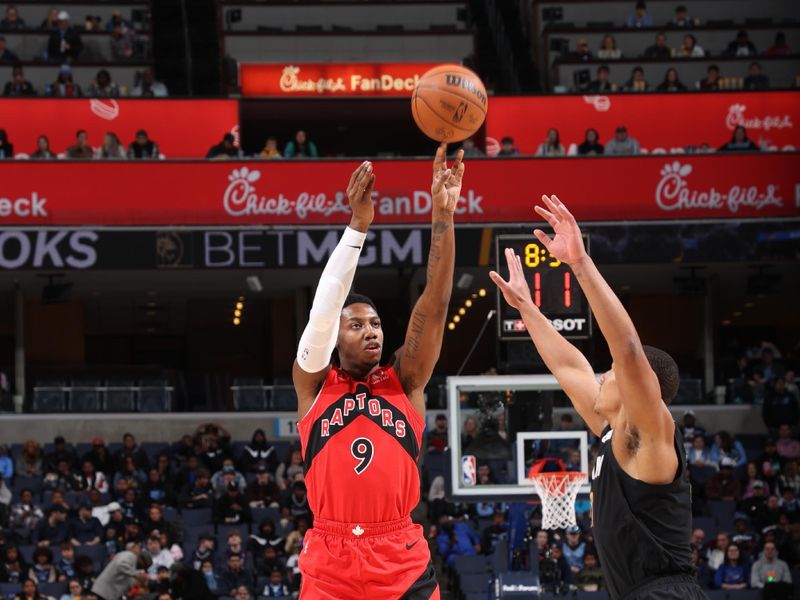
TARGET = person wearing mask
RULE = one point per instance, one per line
(6, 147)
(739, 142)
(671, 82)
(259, 451)
(591, 145)
(551, 146)
(301, 147)
(65, 42)
(225, 149)
(622, 144)
(639, 18)
(43, 151)
(143, 147)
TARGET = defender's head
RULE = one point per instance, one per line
(608, 400)
(360, 340)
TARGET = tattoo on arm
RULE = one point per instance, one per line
(435, 253)
(415, 330)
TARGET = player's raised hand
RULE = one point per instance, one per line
(446, 187)
(567, 244)
(515, 290)
(359, 195)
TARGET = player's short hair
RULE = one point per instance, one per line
(359, 299)
(666, 369)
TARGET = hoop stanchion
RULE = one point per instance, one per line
(558, 492)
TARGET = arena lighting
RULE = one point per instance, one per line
(737, 313)
(462, 311)
(236, 320)
(749, 304)
(451, 326)
(481, 292)
(726, 321)
(468, 303)
(254, 283)
(237, 313)
(456, 319)
(239, 305)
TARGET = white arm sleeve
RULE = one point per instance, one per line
(319, 338)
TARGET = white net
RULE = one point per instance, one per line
(558, 492)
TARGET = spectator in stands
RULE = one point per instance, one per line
(92, 479)
(225, 149)
(232, 507)
(608, 48)
(6, 464)
(205, 550)
(242, 593)
(496, 532)
(30, 591)
(263, 491)
(704, 574)
(65, 42)
(100, 457)
(590, 577)
(438, 436)
(727, 451)
(659, 50)
(63, 479)
(156, 523)
(698, 455)
(301, 147)
(723, 485)
(739, 142)
(234, 576)
(13, 568)
(147, 86)
(790, 479)
(122, 42)
(85, 530)
(671, 82)
(791, 384)
(682, 18)
(734, 573)
(637, 82)
(64, 86)
(582, 51)
(129, 472)
(767, 369)
(484, 475)
(58, 499)
(24, 513)
(42, 570)
(226, 475)
(276, 586)
(53, 529)
(602, 84)
(756, 80)
(60, 452)
(43, 152)
(50, 22)
(158, 489)
(771, 573)
(198, 494)
(161, 585)
(160, 556)
(270, 151)
(18, 86)
(470, 432)
(741, 46)
(744, 537)
(144, 148)
(552, 145)
(622, 144)
(291, 467)
(787, 446)
(6, 147)
(711, 81)
(296, 503)
(574, 549)
(131, 449)
(780, 406)
(74, 591)
(111, 148)
(690, 48)
(259, 451)
(456, 538)
(181, 451)
(470, 149)
(753, 477)
(294, 540)
(639, 18)
(6, 55)
(689, 427)
(507, 147)
(12, 21)
(210, 577)
(779, 46)
(102, 86)
(116, 19)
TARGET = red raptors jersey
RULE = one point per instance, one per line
(361, 441)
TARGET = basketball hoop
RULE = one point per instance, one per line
(558, 491)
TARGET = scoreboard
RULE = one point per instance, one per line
(554, 290)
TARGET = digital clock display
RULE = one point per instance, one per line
(553, 289)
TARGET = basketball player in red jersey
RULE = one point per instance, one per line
(361, 423)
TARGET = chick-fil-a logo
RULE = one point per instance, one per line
(105, 109)
(737, 117)
(241, 199)
(673, 193)
(290, 82)
(600, 103)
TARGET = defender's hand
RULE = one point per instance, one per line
(515, 290)
(567, 244)
(359, 195)
(446, 187)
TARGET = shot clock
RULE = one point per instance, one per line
(553, 289)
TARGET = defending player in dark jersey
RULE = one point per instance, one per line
(361, 423)
(641, 505)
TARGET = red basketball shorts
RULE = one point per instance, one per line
(381, 561)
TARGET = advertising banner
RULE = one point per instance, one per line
(660, 122)
(300, 193)
(330, 79)
(181, 128)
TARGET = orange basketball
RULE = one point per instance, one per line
(449, 103)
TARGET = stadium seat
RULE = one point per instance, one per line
(9, 590)
(53, 590)
(474, 582)
(32, 483)
(700, 475)
(27, 553)
(601, 595)
(464, 565)
(153, 449)
(744, 594)
(259, 514)
(717, 594)
(282, 449)
(707, 524)
(96, 553)
(170, 514)
(197, 517)
(723, 512)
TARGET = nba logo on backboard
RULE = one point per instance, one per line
(468, 471)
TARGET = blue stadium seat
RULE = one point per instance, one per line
(476, 596)
(744, 594)
(474, 582)
(170, 514)
(464, 565)
(723, 512)
(27, 553)
(9, 590)
(96, 553)
(153, 449)
(54, 590)
(434, 464)
(191, 534)
(707, 524)
(701, 474)
(21, 482)
(717, 594)
(194, 517)
(237, 449)
(601, 595)
(259, 514)
(282, 450)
